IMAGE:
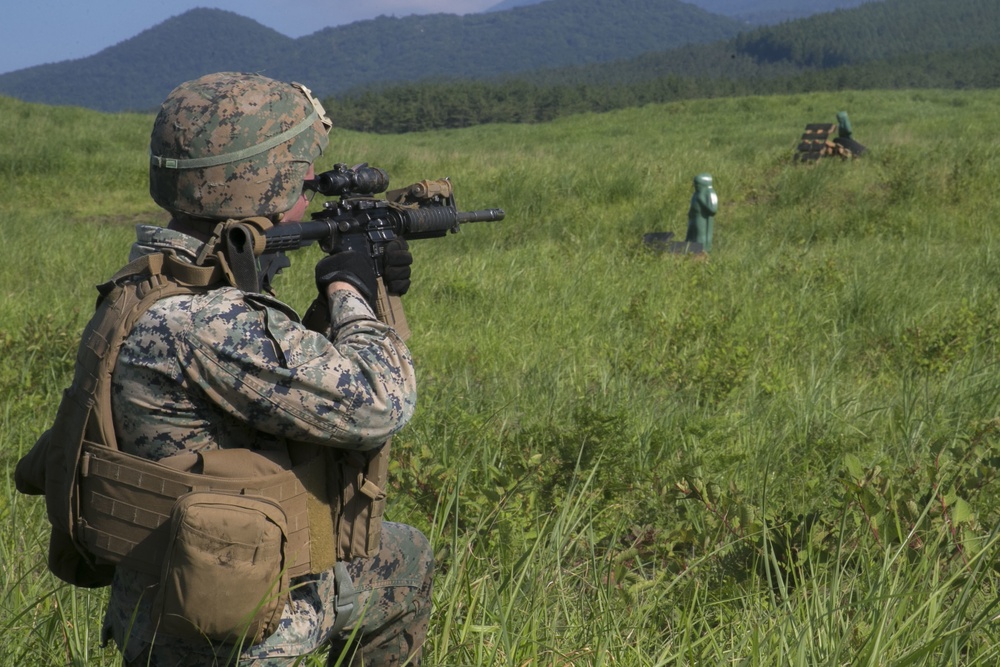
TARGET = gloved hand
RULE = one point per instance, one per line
(351, 267)
(397, 266)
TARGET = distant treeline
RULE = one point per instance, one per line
(890, 44)
(441, 105)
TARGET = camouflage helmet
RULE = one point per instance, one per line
(234, 145)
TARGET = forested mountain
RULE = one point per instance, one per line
(509, 66)
(754, 12)
(891, 44)
(764, 12)
(872, 32)
(138, 73)
(875, 31)
(517, 40)
(510, 4)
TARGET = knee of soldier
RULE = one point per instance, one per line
(414, 549)
(427, 556)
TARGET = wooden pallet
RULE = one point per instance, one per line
(818, 142)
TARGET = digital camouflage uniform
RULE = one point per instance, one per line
(228, 369)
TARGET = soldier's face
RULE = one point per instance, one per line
(295, 213)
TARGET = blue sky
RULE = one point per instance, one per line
(33, 32)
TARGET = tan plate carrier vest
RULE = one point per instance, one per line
(110, 508)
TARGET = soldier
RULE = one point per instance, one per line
(216, 370)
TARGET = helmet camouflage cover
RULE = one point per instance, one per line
(234, 145)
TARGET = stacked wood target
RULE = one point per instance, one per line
(829, 140)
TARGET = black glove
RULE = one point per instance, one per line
(351, 267)
(397, 266)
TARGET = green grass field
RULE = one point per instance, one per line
(786, 454)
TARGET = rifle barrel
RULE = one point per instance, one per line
(485, 215)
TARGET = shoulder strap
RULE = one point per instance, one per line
(51, 466)
(107, 507)
(124, 299)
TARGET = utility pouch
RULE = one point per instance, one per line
(359, 503)
(224, 576)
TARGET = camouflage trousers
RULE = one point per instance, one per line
(389, 626)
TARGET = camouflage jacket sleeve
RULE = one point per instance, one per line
(216, 369)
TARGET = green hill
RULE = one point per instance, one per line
(763, 12)
(517, 40)
(875, 31)
(755, 12)
(138, 73)
(891, 44)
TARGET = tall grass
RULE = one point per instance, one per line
(784, 454)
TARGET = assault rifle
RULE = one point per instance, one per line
(359, 221)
